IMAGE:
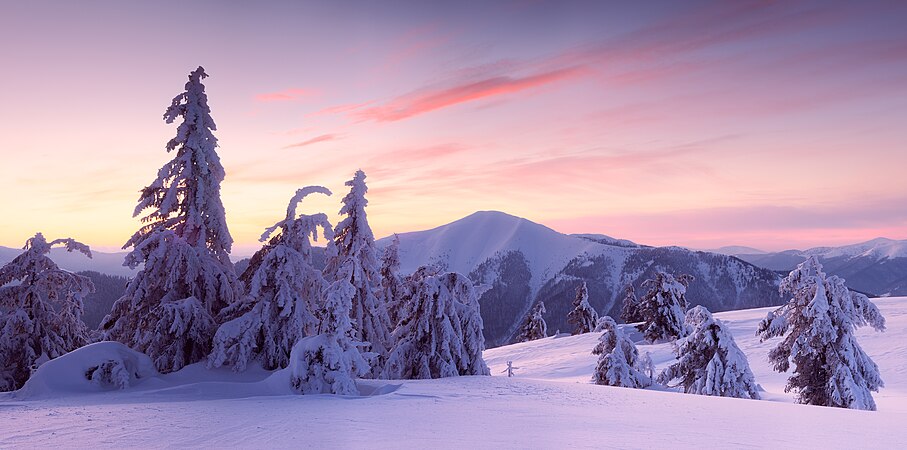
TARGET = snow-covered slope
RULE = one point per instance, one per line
(550, 403)
(520, 263)
(876, 267)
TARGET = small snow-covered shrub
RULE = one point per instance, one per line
(709, 361)
(330, 362)
(94, 368)
(618, 361)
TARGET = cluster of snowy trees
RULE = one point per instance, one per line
(357, 318)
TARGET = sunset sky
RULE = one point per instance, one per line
(769, 124)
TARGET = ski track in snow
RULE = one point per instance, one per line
(550, 403)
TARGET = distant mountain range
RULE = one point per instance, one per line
(519, 263)
(877, 267)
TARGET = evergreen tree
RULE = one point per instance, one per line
(440, 331)
(285, 291)
(168, 309)
(709, 361)
(535, 326)
(356, 263)
(330, 361)
(391, 282)
(629, 311)
(583, 317)
(663, 308)
(618, 362)
(819, 320)
(40, 310)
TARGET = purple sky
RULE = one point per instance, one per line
(768, 124)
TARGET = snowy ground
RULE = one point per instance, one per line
(549, 404)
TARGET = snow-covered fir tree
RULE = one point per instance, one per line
(663, 308)
(535, 326)
(391, 281)
(709, 361)
(284, 294)
(330, 361)
(831, 369)
(168, 309)
(356, 262)
(583, 317)
(629, 310)
(40, 310)
(440, 331)
(618, 361)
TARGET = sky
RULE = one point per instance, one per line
(774, 125)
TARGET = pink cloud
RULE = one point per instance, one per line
(286, 95)
(430, 100)
(314, 140)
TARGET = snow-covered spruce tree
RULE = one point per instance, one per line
(819, 320)
(535, 326)
(629, 310)
(356, 263)
(40, 310)
(330, 361)
(391, 281)
(168, 309)
(440, 331)
(284, 293)
(663, 308)
(583, 317)
(709, 361)
(618, 361)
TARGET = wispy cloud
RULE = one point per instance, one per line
(314, 140)
(425, 101)
(286, 95)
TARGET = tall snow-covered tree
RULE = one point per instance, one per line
(709, 361)
(284, 294)
(534, 327)
(391, 281)
(583, 317)
(819, 320)
(629, 310)
(168, 309)
(663, 308)
(40, 310)
(356, 262)
(618, 361)
(330, 361)
(440, 331)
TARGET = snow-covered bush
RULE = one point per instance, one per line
(618, 361)
(709, 361)
(819, 320)
(663, 308)
(330, 361)
(629, 309)
(583, 317)
(40, 310)
(535, 326)
(356, 263)
(440, 331)
(168, 309)
(285, 292)
(97, 367)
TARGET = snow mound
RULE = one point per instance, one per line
(97, 367)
